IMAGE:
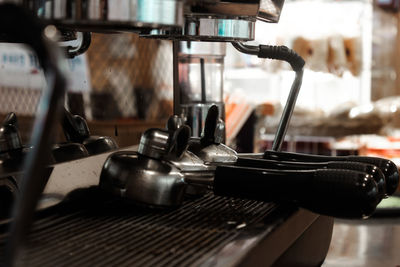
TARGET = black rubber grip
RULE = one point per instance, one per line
(388, 168)
(282, 53)
(339, 193)
(370, 169)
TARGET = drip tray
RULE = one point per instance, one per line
(92, 230)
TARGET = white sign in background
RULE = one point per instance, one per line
(22, 79)
(19, 68)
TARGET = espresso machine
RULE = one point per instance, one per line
(181, 197)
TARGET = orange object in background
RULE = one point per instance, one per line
(237, 110)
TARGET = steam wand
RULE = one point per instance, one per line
(297, 64)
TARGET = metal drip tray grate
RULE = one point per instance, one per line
(112, 233)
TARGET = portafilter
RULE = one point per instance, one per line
(210, 149)
(148, 177)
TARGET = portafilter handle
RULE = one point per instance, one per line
(370, 169)
(388, 168)
(213, 128)
(338, 193)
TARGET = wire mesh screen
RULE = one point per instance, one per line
(132, 75)
(23, 101)
(123, 81)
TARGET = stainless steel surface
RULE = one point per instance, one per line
(201, 67)
(218, 153)
(147, 181)
(222, 20)
(190, 162)
(210, 148)
(172, 19)
(243, 8)
(102, 15)
(370, 243)
(155, 143)
(270, 10)
(219, 133)
(191, 165)
(155, 175)
(148, 178)
(194, 115)
(202, 48)
(83, 173)
(210, 28)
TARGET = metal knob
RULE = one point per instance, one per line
(155, 143)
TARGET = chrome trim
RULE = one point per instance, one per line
(104, 15)
(208, 28)
(270, 10)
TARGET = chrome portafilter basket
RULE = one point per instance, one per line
(160, 166)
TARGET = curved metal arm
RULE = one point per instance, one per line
(20, 26)
(297, 63)
(287, 112)
(82, 47)
(246, 49)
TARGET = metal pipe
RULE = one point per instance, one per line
(287, 112)
(297, 63)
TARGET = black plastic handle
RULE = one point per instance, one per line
(174, 122)
(75, 127)
(388, 168)
(339, 193)
(282, 53)
(11, 119)
(370, 169)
